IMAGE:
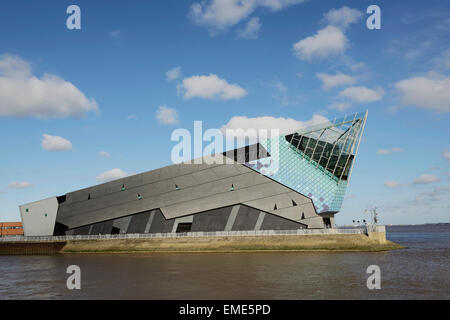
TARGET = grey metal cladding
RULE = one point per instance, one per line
(204, 176)
(160, 224)
(178, 190)
(115, 196)
(247, 187)
(260, 220)
(245, 219)
(82, 230)
(96, 228)
(107, 227)
(225, 171)
(149, 222)
(104, 227)
(211, 220)
(122, 224)
(138, 222)
(272, 222)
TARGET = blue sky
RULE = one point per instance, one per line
(104, 98)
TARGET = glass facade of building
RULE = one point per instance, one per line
(315, 161)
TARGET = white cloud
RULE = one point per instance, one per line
(55, 143)
(166, 115)
(14, 67)
(389, 151)
(392, 184)
(211, 87)
(20, 185)
(330, 81)
(446, 155)
(251, 29)
(340, 106)
(422, 179)
(173, 74)
(342, 17)
(221, 14)
(281, 93)
(24, 94)
(442, 61)
(284, 125)
(426, 179)
(362, 94)
(104, 154)
(132, 117)
(425, 92)
(115, 34)
(329, 41)
(111, 175)
(436, 195)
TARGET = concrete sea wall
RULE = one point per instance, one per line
(232, 244)
(315, 240)
(31, 248)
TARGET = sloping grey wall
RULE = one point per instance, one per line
(246, 219)
(39, 217)
(181, 190)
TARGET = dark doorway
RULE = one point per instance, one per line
(184, 227)
(115, 230)
(327, 222)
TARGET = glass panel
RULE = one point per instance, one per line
(330, 145)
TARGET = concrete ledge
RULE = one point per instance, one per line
(232, 244)
(301, 240)
(248, 233)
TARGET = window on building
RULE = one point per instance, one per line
(247, 153)
(184, 227)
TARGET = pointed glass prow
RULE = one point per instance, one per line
(331, 146)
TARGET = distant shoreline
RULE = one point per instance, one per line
(402, 225)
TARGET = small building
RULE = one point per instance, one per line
(11, 229)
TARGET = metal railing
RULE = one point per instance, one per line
(362, 230)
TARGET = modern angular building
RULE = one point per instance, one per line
(289, 182)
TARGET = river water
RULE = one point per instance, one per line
(421, 271)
